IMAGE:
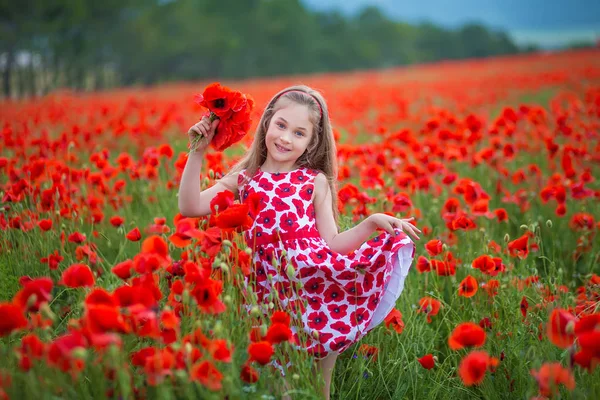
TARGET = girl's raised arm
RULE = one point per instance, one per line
(193, 202)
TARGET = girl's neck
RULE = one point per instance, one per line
(275, 169)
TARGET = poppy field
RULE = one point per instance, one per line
(106, 291)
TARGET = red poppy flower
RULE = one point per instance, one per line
(34, 293)
(260, 352)
(423, 264)
(11, 318)
(134, 235)
(394, 321)
(222, 201)
(234, 110)
(550, 375)
(561, 327)
(31, 349)
(185, 231)
(206, 373)
(76, 237)
(278, 333)
(77, 275)
(52, 260)
(430, 306)
(116, 221)
(281, 317)
(473, 367)
(45, 224)
(248, 374)
(123, 269)
(524, 306)
(60, 352)
(434, 247)
(368, 351)
(427, 361)
(466, 334)
(234, 217)
(468, 287)
(518, 247)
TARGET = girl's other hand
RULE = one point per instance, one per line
(203, 129)
(389, 223)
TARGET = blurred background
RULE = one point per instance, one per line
(88, 45)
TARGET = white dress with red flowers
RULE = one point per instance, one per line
(342, 297)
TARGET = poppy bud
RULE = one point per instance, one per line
(271, 305)
(263, 330)
(181, 374)
(226, 243)
(205, 181)
(524, 227)
(506, 238)
(188, 348)
(227, 299)
(296, 377)
(549, 223)
(31, 300)
(315, 334)
(79, 353)
(218, 328)
(248, 250)
(224, 267)
(186, 296)
(444, 247)
(113, 352)
(47, 312)
(283, 253)
(290, 271)
(255, 311)
(570, 328)
(211, 173)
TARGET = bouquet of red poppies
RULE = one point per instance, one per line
(234, 111)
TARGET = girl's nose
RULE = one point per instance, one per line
(284, 138)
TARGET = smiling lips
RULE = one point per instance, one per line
(283, 149)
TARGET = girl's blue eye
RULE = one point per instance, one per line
(300, 133)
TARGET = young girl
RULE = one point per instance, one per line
(350, 284)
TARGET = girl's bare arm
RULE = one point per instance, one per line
(342, 243)
(193, 202)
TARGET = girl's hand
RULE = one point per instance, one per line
(201, 134)
(388, 223)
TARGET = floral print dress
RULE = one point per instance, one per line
(335, 298)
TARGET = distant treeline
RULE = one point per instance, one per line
(95, 44)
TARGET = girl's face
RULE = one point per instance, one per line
(288, 135)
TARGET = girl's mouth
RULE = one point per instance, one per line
(281, 149)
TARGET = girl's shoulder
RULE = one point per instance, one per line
(244, 176)
(312, 172)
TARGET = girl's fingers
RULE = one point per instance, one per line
(193, 129)
(390, 229)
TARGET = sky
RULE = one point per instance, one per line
(547, 23)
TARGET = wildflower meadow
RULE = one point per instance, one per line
(106, 291)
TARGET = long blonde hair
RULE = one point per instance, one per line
(321, 153)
